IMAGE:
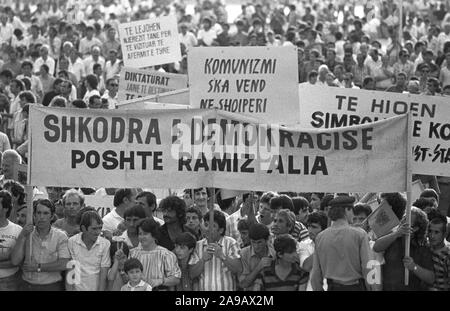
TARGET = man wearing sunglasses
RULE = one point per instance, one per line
(112, 87)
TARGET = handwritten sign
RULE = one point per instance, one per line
(150, 42)
(261, 82)
(135, 83)
(331, 107)
(194, 148)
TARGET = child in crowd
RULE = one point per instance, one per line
(133, 268)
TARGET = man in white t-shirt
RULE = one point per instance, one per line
(206, 35)
(123, 198)
(9, 274)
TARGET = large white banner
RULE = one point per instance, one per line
(150, 42)
(193, 148)
(331, 107)
(135, 83)
(259, 82)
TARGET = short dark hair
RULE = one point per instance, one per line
(79, 103)
(121, 194)
(88, 217)
(135, 210)
(267, 196)
(26, 63)
(300, 203)
(82, 211)
(186, 239)
(6, 73)
(177, 204)
(132, 263)
(243, 224)
(45, 202)
(281, 202)
(149, 225)
(6, 201)
(16, 189)
(440, 220)
(396, 201)
(423, 202)
(96, 66)
(318, 217)
(258, 231)
(219, 219)
(361, 208)
(429, 193)
(92, 98)
(284, 243)
(92, 81)
(150, 198)
(195, 210)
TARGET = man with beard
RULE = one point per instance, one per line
(91, 252)
(49, 253)
(174, 211)
(72, 201)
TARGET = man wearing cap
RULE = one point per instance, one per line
(187, 37)
(342, 251)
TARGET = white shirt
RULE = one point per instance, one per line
(50, 62)
(90, 261)
(89, 64)
(8, 238)
(112, 102)
(111, 221)
(89, 94)
(6, 32)
(141, 287)
(111, 69)
(77, 69)
(189, 40)
(207, 36)
(86, 45)
(444, 76)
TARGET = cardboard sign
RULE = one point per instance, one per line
(260, 82)
(331, 107)
(195, 148)
(150, 42)
(139, 83)
(383, 220)
(103, 204)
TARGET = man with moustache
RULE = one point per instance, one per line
(174, 216)
(48, 256)
(73, 201)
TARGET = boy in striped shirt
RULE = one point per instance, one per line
(216, 262)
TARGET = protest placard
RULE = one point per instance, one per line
(260, 82)
(139, 83)
(150, 42)
(103, 204)
(331, 107)
(383, 220)
(196, 147)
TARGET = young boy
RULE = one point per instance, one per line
(184, 247)
(133, 268)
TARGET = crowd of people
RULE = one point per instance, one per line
(67, 54)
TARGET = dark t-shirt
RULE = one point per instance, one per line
(393, 271)
(48, 97)
(164, 238)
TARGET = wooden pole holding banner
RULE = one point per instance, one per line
(211, 214)
(400, 22)
(408, 192)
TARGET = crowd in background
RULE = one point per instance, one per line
(67, 54)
